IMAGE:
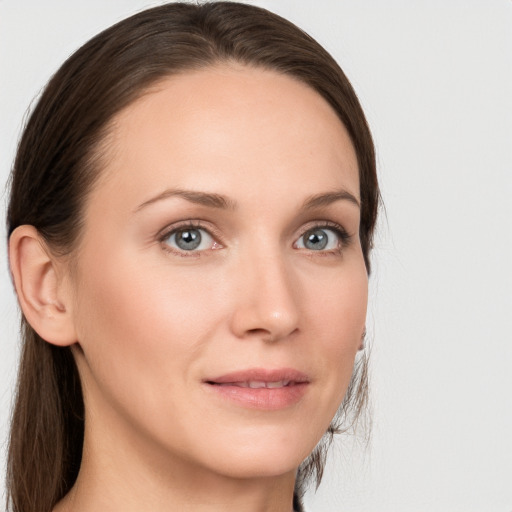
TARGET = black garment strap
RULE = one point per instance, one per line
(297, 504)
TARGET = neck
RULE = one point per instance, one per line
(119, 475)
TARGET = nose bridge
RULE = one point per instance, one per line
(268, 300)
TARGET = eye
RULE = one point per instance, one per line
(322, 239)
(189, 239)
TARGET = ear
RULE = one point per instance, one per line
(363, 339)
(41, 289)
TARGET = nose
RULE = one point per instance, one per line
(266, 300)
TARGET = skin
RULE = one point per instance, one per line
(150, 321)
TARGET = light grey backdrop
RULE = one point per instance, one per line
(435, 78)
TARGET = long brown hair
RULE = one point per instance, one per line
(57, 164)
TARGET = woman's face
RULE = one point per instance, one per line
(220, 289)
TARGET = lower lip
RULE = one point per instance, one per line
(268, 399)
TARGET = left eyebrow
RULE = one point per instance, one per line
(318, 200)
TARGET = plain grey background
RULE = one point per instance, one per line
(435, 79)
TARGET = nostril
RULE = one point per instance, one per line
(264, 334)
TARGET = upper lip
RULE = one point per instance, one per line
(260, 375)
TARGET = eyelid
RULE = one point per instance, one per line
(344, 237)
(182, 225)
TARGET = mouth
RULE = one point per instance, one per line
(260, 388)
(256, 384)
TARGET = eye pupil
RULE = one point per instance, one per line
(316, 239)
(188, 239)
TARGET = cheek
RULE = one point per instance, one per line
(131, 296)
(337, 319)
(138, 329)
(339, 306)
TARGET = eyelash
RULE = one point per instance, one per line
(183, 226)
(343, 236)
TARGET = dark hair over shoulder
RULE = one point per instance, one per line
(59, 159)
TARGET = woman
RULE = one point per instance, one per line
(191, 216)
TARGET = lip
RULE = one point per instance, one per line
(287, 387)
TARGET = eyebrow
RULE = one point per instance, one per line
(202, 198)
(213, 200)
(319, 200)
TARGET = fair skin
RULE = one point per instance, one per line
(260, 168)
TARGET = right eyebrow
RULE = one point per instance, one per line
(319, 200)
(202, 198)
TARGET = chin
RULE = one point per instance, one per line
(268, 452)
(261, 465)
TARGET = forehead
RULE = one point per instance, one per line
(224, 127)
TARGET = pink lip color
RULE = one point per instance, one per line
(231, 387)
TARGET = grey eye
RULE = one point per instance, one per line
(190, 239)
(319, 239)
(315, 240)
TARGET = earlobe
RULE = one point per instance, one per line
(41, 293)
(363, 339)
